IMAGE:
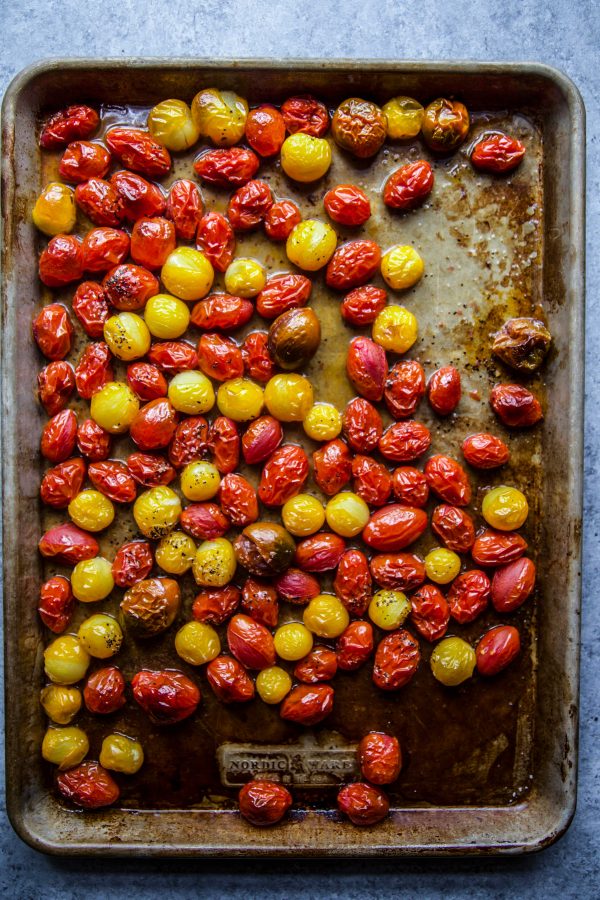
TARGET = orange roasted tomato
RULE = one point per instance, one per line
(265, 130)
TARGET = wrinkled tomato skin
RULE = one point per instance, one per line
(361, 425)
(238, 500)
(497, 548)
(512, 585)
(184, 208)
(222, 312)
(88, 785)
(405, 441)
(352, 583)
(229, 680)
(319, 665)
(404, 388)
(104, 691)
(224, 444)
(66, 125)
(249, 205)
(167, 697)
(91, 308)
(362, 305)
(497, 649)
(396, 660)
(379, 758)
(363, 804)
(394, 527)
(104, 248)
(320, 552)
(264, 802)
(410, 486)
(138, 151)
(83, 160)
(454, 527)
(398, 571)
(261, 438)
(63, 482)
(150, 470)
(99, 201)
(250, 642)
(259, 601)
(62, 261)
(190, 441)
(305, 114)
(53, 331)
(283, 292)
(258, 362)
(265, 130)
(56, 383)
(485, 451)
(227, 167)
(114, 480)
(138, 197)
(354, 646)
(409, 186)
(154, 425)
(93, 442)
(307, 704)
(353, 264)
(283, 475)
(367, 368)
(93, 370)
(448, 480)
(430, 613)
(215, 238)
(444, 390)
(204, 521)
(59, 436)
(152, 240)
(128, 287)
(56, 603)
(515, 406)
(347, 204)
(332, 466)
(146, 381)
(372, 481)
(68, 544)
(281, 220)
(497, 154)
(132, 563)
(468, 596)
(219, 357)
(216, 605)
(172, 356)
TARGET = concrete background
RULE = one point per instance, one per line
(563, 33)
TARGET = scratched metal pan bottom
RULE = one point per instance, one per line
(488, 768)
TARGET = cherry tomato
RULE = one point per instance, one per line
(430, 612)
(497, 649)
(229, 680)
(297, 587)
(354, 646)
(398, 571)
(404, 388)
(104, 691)
(53, 331)
(238, 500)
(448, 480)
(332, 466)
(88, 785)
(62, 261)
(224, 444)
(454, 526)
(307, 704)
(221, 312)
(56, 603)
(190, 441)
(184, 208)
(259, 601)
(372, 481)
(468, 596)
(444, 390)
(409, 186)
(215, 238)
(485, 451)
(515, 406)
(104, 248)
(362, 305)
(138, 151)
(83, 160)
(496, 548)
(150, 470)
(227, 167)
(59, 436)
(114, 480)
(305, 114)
(396, 660)
(353, 264)
(258, 362)
(219, 357)
(283, 292)
(497, 153)
(172, 356)
(91, 308)
(67, 125)
(264, 802)
(320, 552)
(93, 441)
(93, 370)
(512, 585)
(283, 476)
(56, 383)
(265, 130)
(132, 563)
(320, 665)
(347, 205)
(362, 425)
(138, 197)
(216, 605)
(379, 757)
(152, 240)
(363, 804)
(68, 544)
(352, 583)
(128, 287)
(261, 439)
(249, 205)
(405, 441)
(394, 527)
(367, 367)
(410, 486)
(204, 521)
(281, 220)
(146, 380)
(166, 696)
(154, 425)
(250, 642)
(63, 482)
(99, 201)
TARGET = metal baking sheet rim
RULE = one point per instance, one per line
(413, 831)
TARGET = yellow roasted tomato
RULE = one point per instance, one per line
(395, 329)
(167, 317)
(170, 123)
(91, 510)
(245, 277)
(305, 158)
(289, 397)
(452, 661)
(240, 399)
(402, 267)
(187, 274)
(54, 211)
(157, 511)
(302, 515)
(311, 245)
(323, 422)
(220, 116)
(404, 117)
(127, 336)
(505, 508)
(114, 407)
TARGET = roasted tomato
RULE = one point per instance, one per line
(294, 338)
(512, 585)
(53, 331)
(497, 649)
(93, 370)
(91, 308)
(264, 802)
(250, 642)
(92, 441)
(372, 481)
(496, 548)
(320, 552)
(83, 160)
(138, 197)
(150, 470)
(249, 205)
(497, 153)
(88, 785)
(150, 606)
(379, 757)
(362, 425)
(305, 114)
(229, 680)
(238, 500)
(219, 357)
(522, 344)
(396, 660)
(56, 603)
(444, 390)
(104, 691)
(204, 521)
(347, 205)
(307, 704)
(68, 544)
(262, 437)
(259, 601)
(63, 482)
(281, 220)
(409, 186)
(172, 356)
(359, 126)
(353, 264)
(367, 367)
(362, 305)
(283, 292)
(515, 406)
(155, 424)
(190, 441)
(132, 563)
(128, 287)
(445, 125)
(448, 480)
(398, 571)
(354, 646)
(332, 466)
(258, 362)
(227, 167)
(100, 202)
(59, 436)
(485, 451)
(146, 380)
(216, 605)
(405, 441)
(283, 475)
(167, 696)
(364, 805)
(224, 444)
(70, 124)
(152, 240)
(265, 130)
(138, 151)
(222, 312)
(114, 480)
(104, 248)
(468, 596)
(454, 526)
(215, 238)
(320, 665)
(56, 383)
(62, 261)
(404, 388)
(410, 486)
(352, 583)
(184, 208)
(394, 527)
(430, 612)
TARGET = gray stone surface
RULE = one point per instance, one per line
(561, 33)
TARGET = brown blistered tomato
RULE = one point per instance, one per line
(93, 370)
(249, 205)
(454, 526)
(229, 680)
(354, 646)
(59, 436)
(221, 311)
(114, 480)
(367, 367)
(396, 660)
(68, 544)
(128, 287)
(485, 451)
(104, 248)
(444, 390)
(448, 480)
(238, 500)
(154, 425)
(371, 480)
(332, 466)
(398, 571)
(99, 201)
(172, 356)
(63, 482)
(408, 186)
(352, 583)
(410, 486)
(283, 475)
(53, 331)
(515, 406)
(68, 125)
(512, 585)
(297, 587)
(320, 665)
(215, 238)
(265, 130)
(445, 125)
(219, 357)
(497, 649)
(150, 606)
(361, 425)
(62, 261)
(190, 441)
(363, 804)
(152, 240)
(497, 153)
(347, 205)
(281, 220)
(146, 381)
(294, 338)
(258, 362)
(379, 757)
(56, 603)
(307, 704)
(56, 383)
(353, 264)
(150, 469)
(264, 802)
(305, 114)
(404, 388)
(224, 444)
(92, 441)
(430, 612)
(259, 601)
(91, 308)
(283, 292)
(83, 160)
(167, 696)
(88, 785)
(227, 167)
(132, 563)
(359, 126)
(184, 208)
(497, 548)
(405, 441)
(522, 344)
(320, 552)
(138, 151)
(138, 197)
(261, 438)
(216, 605)
(362, 305)
(468, 596)
(204, 521)
(250, 642)
(104, 691)
(264, 548)
(394, 527)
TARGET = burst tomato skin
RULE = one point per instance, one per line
(444, 390)
(372, 481)
(62, 261)
(227, 166)
(219, 357)
(66, 125)
(498, 153)
(281, 220)
(229, 680)
(405, 441)
(83, 160)
(410, 486)
(497, 649)
(184, 208)
(515, 406)
(154, 425)
(430, 612)
(353, 264)
(91, 308)
(204, 521)
(249, 205)
(394, 527)
(215, 238)
(283, 292)
(93, 442)
(53, 331)
(216, 605)
(354, 646)
(347, 205)
(167, 697)
(104, 691)
(409, 186)
(496, 548)
(99, 201)
(352, 583)
(68, 544)
(190, 441)
(132, 563)
(307, 704)
(152, 240)
(448, 480)
(468, 596)
(306, 114)
(264, 802)
(224, 444)
(93, 370)
(512, 584)
(367, 368)
(128, 287)
(59, 436)
(396, 660)
(259, 601)
(454, 526)
(404, 388)
(172, 356)
(363, 804)
(319, 665)
(250, 642)
(485, 451)
(238, 500)
(379, 757)
(398, 571)
(56, 383)
(150, 470)
(88, 785)
(320, 552)
(114, 480)
(222, 312)
(258, 362)
(138, 151)
(56, 603)
(146, 381)
(332, 466)
(363, 304)
(283, 475)
(138, 196)
(361, 425)
(63, 482)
